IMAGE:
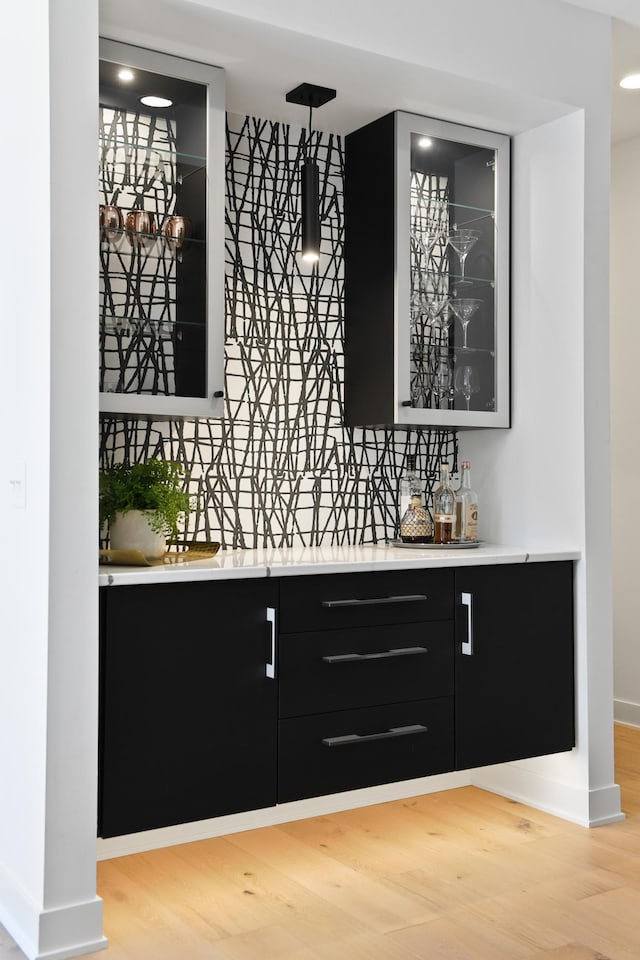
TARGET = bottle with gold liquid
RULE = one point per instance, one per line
(466, 525)
(443, 507)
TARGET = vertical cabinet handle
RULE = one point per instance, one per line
(270, 666)
(467, 645)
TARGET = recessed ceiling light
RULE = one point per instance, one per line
(631, 81)
(125, 74)
(156, 101)
(425, 142)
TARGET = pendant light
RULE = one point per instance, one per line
(310, 95)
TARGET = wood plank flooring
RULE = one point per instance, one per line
(458, 875)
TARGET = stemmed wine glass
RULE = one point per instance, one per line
(461, 242)
(466, 382)
(464, 311)
(441, 385)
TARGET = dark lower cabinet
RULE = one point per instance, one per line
(378, 677)
(514, 691)
(188, 715)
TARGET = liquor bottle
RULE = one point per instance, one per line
(409, 486)
(415, 525)
(466, 525)
(444, 500)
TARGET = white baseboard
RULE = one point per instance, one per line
(588, 808)
(69, 931)
(625, 711)
(282, 813)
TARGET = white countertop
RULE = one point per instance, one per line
(295, 561)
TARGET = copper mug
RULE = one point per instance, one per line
(141, 227)
(176, 230)
(111, 221)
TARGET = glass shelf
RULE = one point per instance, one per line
(130, 246)
(119, 324)
(193, 159)
(435, 349)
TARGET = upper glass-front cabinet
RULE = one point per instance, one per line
(426, 274)
(161, 234)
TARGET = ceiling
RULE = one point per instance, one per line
(254, 55)
(625, 104)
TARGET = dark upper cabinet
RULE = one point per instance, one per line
(188, 713)
(161, 235)
(514, 662)
(426, 274)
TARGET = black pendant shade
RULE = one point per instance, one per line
(310, 95)
(310, 211)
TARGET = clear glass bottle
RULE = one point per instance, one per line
(415, 525)
(444, 500)
(409, 486)
(466, 525)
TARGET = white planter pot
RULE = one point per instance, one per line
(131, 531)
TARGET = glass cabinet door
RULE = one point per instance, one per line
(161, 228)
(452, 270)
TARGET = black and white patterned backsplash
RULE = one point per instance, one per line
(281, 469)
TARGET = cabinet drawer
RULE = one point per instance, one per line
(365, 599)
(341, 751)
(364, 666)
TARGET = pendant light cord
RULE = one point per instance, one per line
(309, 135)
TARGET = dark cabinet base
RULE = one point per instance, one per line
(371, 685)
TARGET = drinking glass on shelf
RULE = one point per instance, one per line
(464, 311)
(141, 228)
(467, 382)
(435, 307)
(175, 231)
(424, 237)
(445, 316)
(441, 385)
(111, 221)
(461, 242)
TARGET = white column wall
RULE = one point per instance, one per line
(625, 407)
(24, 428)
(48, 424)
(557, 451)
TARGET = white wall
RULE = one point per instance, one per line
(48, 424)
(625, 433)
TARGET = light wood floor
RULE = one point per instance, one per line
(459, 875)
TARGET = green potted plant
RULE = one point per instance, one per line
(143, 503)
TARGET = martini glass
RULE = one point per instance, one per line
(466, 382)
(464, 311)
(437, 308)
(461, 242)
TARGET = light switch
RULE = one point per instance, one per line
(17, 480)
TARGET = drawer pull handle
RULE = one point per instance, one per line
(270, 665)
(387, 735)
(384, 655)
(467, 645)
(409, 598)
